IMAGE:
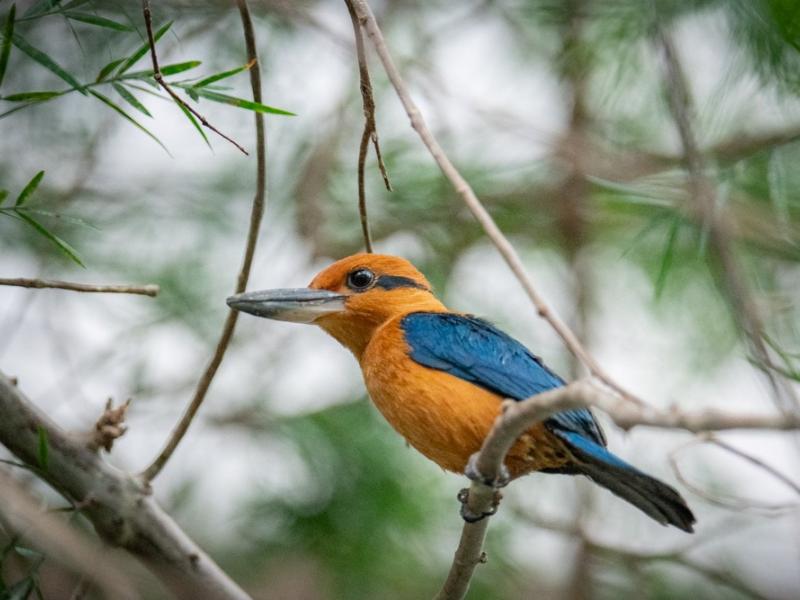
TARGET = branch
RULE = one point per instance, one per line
(518, 417)
(463, 189)
(65, 544)
(370, 130)
(148, 23)
(121, 509)
(143, 290)
(718, 225)
(732, 503)
(256, 214)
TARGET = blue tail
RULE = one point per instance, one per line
(658, 500)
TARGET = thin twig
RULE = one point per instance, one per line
(148, 23)
(732, 503)
(633, 557)
(756, 461)
(370, 130)
(244, 274)
(467, 194)
(142, 290)
(518, 417)
(718, 225)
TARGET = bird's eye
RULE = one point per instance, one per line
(360, 279)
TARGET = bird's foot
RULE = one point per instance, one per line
(473, 474)
(471, 517)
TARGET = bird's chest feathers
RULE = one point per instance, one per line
(442, 416)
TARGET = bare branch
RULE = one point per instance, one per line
(370, 130)
(66, 545)
(501, 242)
(148, 23)
(518, 417)
(121, 509)
(718, 225)
(256, 215)
(143, 290)
(729, 502)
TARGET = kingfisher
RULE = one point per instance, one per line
(440, 377)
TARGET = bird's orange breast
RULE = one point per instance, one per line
(444, 417)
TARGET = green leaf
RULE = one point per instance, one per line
(52, 215)
(165, 70)
(242, 103)
(43, 450)
(61, 244)
(8, 34)
(668, 257)
(3, 196)
(194, 122)
(98, 21)
(31, 96)
(47, 62)
(223, 75)
(29, 553)
(105, 71)
(131, 99)
(28, 190)
(143, 49)
(107, 101)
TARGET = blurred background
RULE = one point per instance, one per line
(556, 113)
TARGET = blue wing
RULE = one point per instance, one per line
(478, 352)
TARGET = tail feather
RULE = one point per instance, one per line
(656, 499)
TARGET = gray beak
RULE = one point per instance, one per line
(301, 305)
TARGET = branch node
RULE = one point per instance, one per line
(109, 427)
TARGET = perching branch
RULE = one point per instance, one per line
(518, 417)
(256, 215)
(718, 225)
(119, 506)
(467, 194)
(148, 24)
(143, 290)
(370, 130)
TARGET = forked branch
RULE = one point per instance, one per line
(256, 214)
(370, 129)
(157, 75)
(518, 417)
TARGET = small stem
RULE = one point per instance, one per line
(143, 290)
(256, 215)
(148, 23)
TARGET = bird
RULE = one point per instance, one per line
(440, 377)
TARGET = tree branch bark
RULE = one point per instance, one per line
(119, 506)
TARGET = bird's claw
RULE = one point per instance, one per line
(472, 517)
(473, 474)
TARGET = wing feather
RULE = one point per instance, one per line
(476, 351)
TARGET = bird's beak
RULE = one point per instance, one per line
(301, 305)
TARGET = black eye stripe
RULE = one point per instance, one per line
(391, 282)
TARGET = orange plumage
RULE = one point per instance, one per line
(440, 377)
(442, 416)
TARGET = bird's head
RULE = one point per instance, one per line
(350, 299)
